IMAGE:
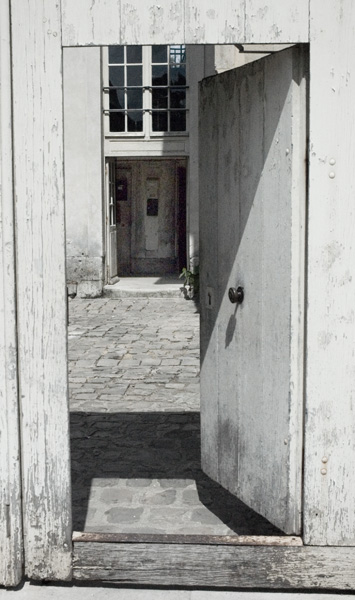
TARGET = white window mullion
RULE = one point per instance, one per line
(125, 91)
(147, 94)
(105, 83)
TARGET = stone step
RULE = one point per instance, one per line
(145, 287)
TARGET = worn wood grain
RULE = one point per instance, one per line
(272, 21)
(91, 20)
(95, 22)
(216, 566)
(259, 149)
(10, 478)
(41, 290)
(329, 516)
(205, 21)
(229, 540)
(161, 21)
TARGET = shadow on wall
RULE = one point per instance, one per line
(150, 446)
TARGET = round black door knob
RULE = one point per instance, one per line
(236, 295)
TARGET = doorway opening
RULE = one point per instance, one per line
(146, 218)
(135, 436)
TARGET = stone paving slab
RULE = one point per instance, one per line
(135, 426)
(128, 349)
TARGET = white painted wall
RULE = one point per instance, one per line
(83, 170)
(231, 56)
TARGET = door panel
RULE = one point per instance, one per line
(123, 207)
(252, 235)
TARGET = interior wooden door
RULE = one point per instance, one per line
(111, 222)
(252, 212)
(154, 234)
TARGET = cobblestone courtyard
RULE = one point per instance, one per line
(135, 428)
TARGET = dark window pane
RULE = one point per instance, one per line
(117, 122)
(177, 120)
(178, 75)
(160, 75)
(115, 54)
(117, 99)
(177, 99)
(134, 54)
(159, 54)
(177, 54)
(135, 121)
(135, 98)
(160, 98)
(134, 75)
(116, 76)
(160, 121)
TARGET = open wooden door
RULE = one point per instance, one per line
(253, 186)
(111, 222)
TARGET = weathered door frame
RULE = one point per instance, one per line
(110, 216)
(38, 31)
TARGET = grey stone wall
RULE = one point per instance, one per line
(83, 159)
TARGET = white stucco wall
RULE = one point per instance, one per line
(83, 170)
(231, 56)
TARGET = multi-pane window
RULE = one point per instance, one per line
(147, 88)
(168, 88)
(126, 88)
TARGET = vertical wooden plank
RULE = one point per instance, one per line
(10, 477)
(206, 21)
(41, 289)
(152, 22)
(329, 512)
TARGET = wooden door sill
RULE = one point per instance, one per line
(157, 538)
(243, 562)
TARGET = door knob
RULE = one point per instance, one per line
(236, 295)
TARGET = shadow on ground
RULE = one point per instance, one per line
(150, 446)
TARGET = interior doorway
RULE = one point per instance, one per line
(146, 217)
